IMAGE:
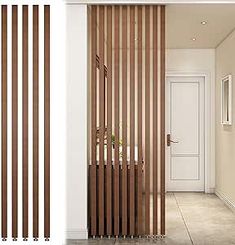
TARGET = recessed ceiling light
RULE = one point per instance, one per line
(193, 39)
(204, 22)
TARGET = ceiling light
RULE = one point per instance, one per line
(204, 22)
(193, 39)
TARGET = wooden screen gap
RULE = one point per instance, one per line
(101, 121)
(124, 120)
(162, 45)
(147, 120)
(25, 119)
(35, 123)
(132, 120)
(155, 120)
(140, 153)
(46, 122)
(116, 118)
(4, 121)
(14, 122)
(109, 122)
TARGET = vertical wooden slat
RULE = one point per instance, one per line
(25, 119)
(147, 120)
(4, 121)
(35, 122)
(109, 122)
(124, 120)
(162, 44)
(140, 152)
(101, 121)
(93, 198)
(132, 120)
(155, 123)
(46, 121)
(116, 123)
(14, 121)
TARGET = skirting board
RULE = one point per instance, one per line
(226, 200)
(77, 234)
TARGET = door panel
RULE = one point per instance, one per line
(185, 167)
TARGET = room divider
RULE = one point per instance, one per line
(127, 120)
(25, 105)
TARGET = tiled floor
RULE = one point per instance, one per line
(192, 218)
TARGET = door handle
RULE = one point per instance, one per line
(169, 141)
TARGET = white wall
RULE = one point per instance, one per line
(225, 135)
(199, 61)
(76, 160)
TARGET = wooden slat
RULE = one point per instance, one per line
(124, 120)
(132, 120)
(155, 121)
(35, 122)
(101, 121)
(116, 118)
(162, 44)
(4, 121)
(25, 119)
(47, 121)
(140, 150)
(93, 198)
(109, 123)
(14, 121)
(147, 120)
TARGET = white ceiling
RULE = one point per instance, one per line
(183, 22)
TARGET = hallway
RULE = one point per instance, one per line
(192, 218)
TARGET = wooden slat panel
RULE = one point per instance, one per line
(14, 121)
(35, 122)
(116, 117)
(132, 120)
(101, 121)
(93, 198)
(4, 121)
(46, 121)
(162, 120)
(25, 119)
(140, 152)
(109, 122)
(155, 121)
(147, 120)
(124, 120)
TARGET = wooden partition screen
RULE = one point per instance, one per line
(25, 122)
(127, 93)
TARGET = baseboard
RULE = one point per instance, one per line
(210, 190)
(228, 202)
(77, 234)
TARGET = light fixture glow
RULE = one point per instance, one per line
(193, 39)
(204, 22)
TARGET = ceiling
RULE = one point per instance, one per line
(183, 23)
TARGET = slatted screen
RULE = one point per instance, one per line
(127, 87)
(25, 122)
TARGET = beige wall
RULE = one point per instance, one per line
(225, 135)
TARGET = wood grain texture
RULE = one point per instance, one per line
(46, 121)
(140, 125)
(124, 120)
(35, 122)
(147, 120)
(109, 122)
(101, 121)
(14, 121)
(116, 118)
(132, 120)
(4, 120)
(93, 197)
(155, 120)
(25, 120)
(162, 44)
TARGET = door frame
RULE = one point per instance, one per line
(209, 110)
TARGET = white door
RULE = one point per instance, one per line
(185, 129)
